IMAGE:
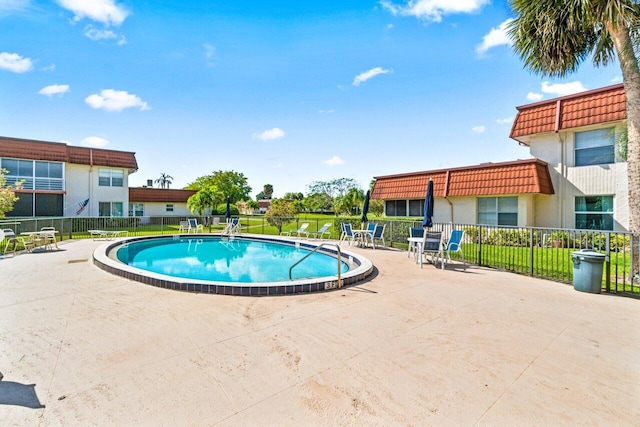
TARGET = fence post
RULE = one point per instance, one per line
(480, 245)
(531, 257)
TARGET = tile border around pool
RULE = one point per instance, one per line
(363, 268)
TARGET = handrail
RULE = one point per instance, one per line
(315, 250)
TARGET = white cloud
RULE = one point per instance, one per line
(563, 89)
(496, 37)
(104, 11)
(478, 129)
(433, 10)
(326, 111)
(54, 90)
(97, 34)
(271, 134)
(532, 96)
(49, 68)
(115, 100)
(94, 141)
(363, 77)
(8, 5)
(15, 63)
(505, 121)
(334, 161)
(616, 79)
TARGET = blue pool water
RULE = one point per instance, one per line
(226, 260)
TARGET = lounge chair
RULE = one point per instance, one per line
(184, 227)
(194, 227)
(321, 232)
(232, 227)
(454, 244)
(378, 234)
(10, 237)
(299, 232)
(347, 233)
(432, 246)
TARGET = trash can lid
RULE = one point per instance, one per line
(589, 253)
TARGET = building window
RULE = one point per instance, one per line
(498, 211)
(111, 177)
(169, 207)
(395, 208)
(110, 209)
(594, 213)
(136, 209)
(416, 207)
(595, 147)
(34, 175)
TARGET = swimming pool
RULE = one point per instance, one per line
(243, 265)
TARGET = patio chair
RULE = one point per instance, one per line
(194, 227)
(378, 234)
(321, 231)
(454, 244)
(414, 234)
(347, 233)
(432, 246)
(10, 237)
(232, 227)
(48, 236)
(184, 227)
(299, 232)
(30, 241)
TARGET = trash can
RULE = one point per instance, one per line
(587, 270)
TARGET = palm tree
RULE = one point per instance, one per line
(164, 181)
(553, 37)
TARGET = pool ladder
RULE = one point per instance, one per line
(315, 250)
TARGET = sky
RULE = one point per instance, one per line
(284, 92)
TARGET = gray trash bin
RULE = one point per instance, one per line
(587, 270)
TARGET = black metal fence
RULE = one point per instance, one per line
(538, 252)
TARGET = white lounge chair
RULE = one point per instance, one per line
(232, 227)
(321, 232)
(299, 232)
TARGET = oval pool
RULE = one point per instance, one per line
(242, 265)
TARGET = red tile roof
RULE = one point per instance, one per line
(529, 176)
(145, 194)
(604, 105)
(59, 152)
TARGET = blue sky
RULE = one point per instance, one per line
(286, 92)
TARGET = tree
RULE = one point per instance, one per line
(293, 196)
(553, 37)
(335, 188)
(267, 190)
(7, 194)
(318, 202)
(281, 212)
(164, 181)
(376, 207)
(350, 203)
(205, 200)
(231, 184)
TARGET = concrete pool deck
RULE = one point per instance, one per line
(411, 346)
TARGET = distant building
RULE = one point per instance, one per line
(144, 201)
(576, 180)
(64, 180)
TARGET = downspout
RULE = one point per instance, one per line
(91, 181)
(446, 195)
(563, 163)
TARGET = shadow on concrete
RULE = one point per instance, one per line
(12, 393)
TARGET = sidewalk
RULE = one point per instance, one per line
(410, 346)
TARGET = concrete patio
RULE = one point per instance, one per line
(409, 347)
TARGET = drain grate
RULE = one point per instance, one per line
(74, 261)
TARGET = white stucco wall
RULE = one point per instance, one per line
(570, 182)
(160, 209)
(81, 182)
